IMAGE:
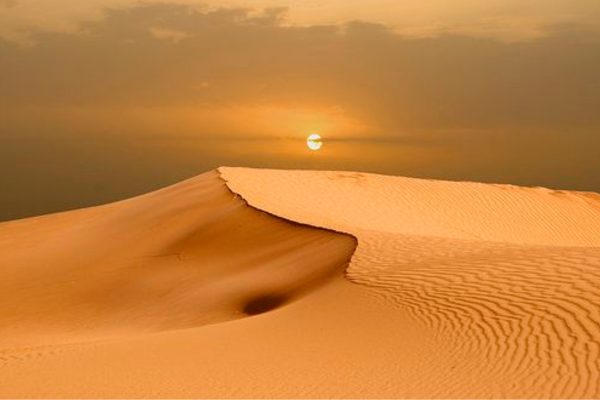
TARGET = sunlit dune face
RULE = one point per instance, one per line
(314, 142)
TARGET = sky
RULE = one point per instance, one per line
(101, 100)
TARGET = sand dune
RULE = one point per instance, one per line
(190, 255)
(454, 290)
(509, 277)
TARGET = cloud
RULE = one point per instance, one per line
(159, 54)
(504, 20)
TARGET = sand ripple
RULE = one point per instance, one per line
(507, 277)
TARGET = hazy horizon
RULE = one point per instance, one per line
(103, 100)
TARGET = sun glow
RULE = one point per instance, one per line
(314, 142)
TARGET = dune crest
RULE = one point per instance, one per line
(461, 210)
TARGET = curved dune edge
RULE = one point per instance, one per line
(185, 256)
(507, 277)
(351, 201)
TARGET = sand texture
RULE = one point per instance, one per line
(226, 286)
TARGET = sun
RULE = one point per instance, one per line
(314, 142)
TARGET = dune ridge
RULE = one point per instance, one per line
(461, 210)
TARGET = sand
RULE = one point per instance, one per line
(265, 283)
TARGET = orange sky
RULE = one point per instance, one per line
(105, 99)
(511, 20)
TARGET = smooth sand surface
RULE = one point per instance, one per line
(454, 290)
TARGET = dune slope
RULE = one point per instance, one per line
(189, 255)
(507, 276)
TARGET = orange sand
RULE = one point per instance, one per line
(455, 290)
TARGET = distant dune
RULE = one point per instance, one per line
(266, 283)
